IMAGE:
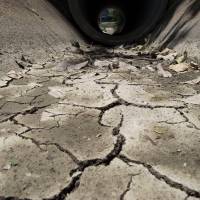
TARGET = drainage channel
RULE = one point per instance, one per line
(114, 22)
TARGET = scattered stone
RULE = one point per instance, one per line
(75, 47)
(28, 174)
(180, 59)
(129, 52)
(23, 64)
(102, 63)
(27, 59)
(160, 130)
(62, 66)
(184, 164)
(139, 47)
(166, 51)
(168, 55)
(126, 66)
(4, 81)
(99, 135)
(194, 81)
(194, 65)
(79, 66)
(7, 167)
(150, 68)
(75, 43)
(182, 67)
(72, 63)
(193, 99)
(34, 85)
(13, 74)
(37, 66)
(162, 72)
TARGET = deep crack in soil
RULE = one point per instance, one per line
(190, 192)
(82, 165)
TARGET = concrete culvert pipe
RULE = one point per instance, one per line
(114, 22)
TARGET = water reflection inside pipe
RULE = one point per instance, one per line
(111, 20)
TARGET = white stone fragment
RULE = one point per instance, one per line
(193, 100)
(15, 75)
(162, 72)
(182, 67)
(194, 81)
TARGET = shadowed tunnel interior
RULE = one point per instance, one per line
(132, 11)
(192, 10)
(140, 17)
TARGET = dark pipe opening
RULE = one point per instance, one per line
(131, 9)
(140, 17)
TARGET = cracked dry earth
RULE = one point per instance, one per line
(81, 127)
